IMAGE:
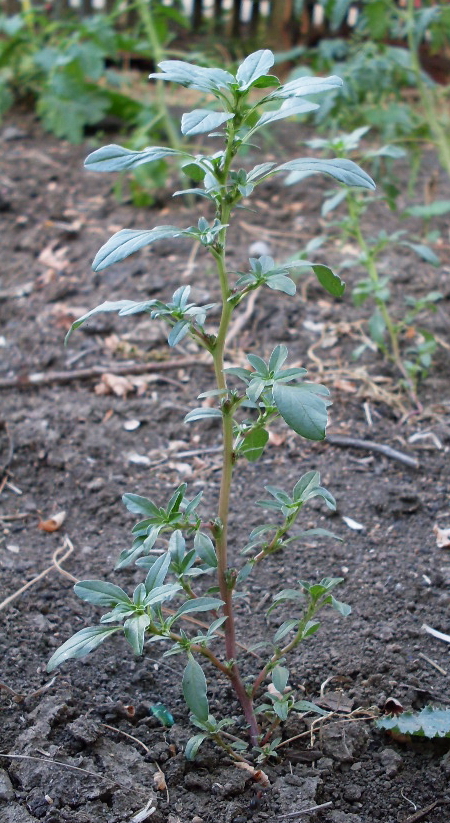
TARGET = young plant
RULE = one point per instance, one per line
(389, 334)
(247, 400)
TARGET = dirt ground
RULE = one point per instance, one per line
(84, 746)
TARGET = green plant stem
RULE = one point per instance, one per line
(145, 13)
(225, 580)
(369, 262)
(312, 609)
(427, 95)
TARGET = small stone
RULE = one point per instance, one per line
(84, 729)
(6, 788)
(352, 793)
(391, 761)
(197, 819)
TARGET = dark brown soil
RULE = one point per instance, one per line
(67, 448)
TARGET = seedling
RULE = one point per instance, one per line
(247, 401)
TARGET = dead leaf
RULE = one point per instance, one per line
(54, 259)
(53, 523)
(160, 781)
(442, 537)
(345, 385)
(114, 384)
(276, 439)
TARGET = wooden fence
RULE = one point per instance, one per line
(283, 23)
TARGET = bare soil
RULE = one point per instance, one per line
(86, 746)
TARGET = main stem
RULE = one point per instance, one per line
(225, 574)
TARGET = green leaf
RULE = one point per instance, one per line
(289, 108)
(127, 241)
(157, 572)
(194, 77)
(429, 210)
(100, 593)
(343, 608)
(280, 677)
(134, 629)
(199, 604)
(424, 252)
(302, 86)
(115, 305)
(202, 414)
(284, 629)
(193, 745)
(302, 409)
(118, 158)
(194, 689)
(140, 505)
(305, 485)
(254, 444)
(307, 706)
(256, 65)
(200, 121)
(346, 171)
(205, 549)
(430, 722)
(377, 327)
(80, 644)
(329, 280)
(161, 593)
(281, 282)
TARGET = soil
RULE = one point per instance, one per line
(84, 746)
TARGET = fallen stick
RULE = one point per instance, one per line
(26, 381)
(370, 445)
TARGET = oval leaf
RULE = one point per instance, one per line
(329, 280)
(194, 690)
(256, 65)
(302, 409)
(346, 171)
(201, 121)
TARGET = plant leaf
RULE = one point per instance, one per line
(329, 280)
(429, 722)
(194, 689)
(306, 85)
(118, 158)
(193, 745)
(202, 414)
(256, 65)
(109, 305)
(302, 409)
(253, 445)
(199, 604)
(127, 241)
(346, 171)
(200, 121)
(140, 505)
(134, 629)
(101, 593)
(80, 644)
(157, 572)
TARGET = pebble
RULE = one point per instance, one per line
(6, 788)
(391, 761)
